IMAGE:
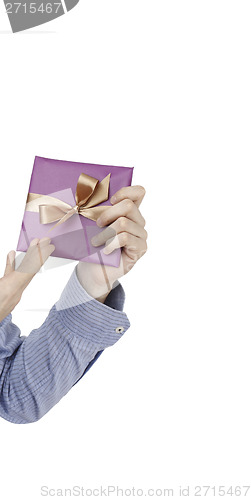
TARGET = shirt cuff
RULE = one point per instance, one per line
(101, 324)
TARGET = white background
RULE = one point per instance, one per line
(163, 86)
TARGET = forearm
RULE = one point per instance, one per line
(12, 287)
(47, 363)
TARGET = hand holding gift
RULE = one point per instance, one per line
(71, 203)
(14, 281)
(125, 230)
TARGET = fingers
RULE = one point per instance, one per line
(132, 244)
(10, 263)
(125, 224)
(125, 208)
(34, 242)
(46, 249)
(122, 224)
(134, 193)
(36, 255)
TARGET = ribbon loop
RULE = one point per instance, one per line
(89, 193)
(85, 188)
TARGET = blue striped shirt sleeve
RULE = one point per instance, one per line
(38, 370)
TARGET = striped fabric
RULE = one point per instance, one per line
(38, 370)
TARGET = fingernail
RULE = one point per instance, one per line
(94, 241)
(99, 222)
(107, 249)
(113, 199)
(34, 242)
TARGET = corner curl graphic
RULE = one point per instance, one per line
(31, 13)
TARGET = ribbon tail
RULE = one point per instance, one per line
(65, 217)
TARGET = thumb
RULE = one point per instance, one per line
(10, 263)
(36, 255)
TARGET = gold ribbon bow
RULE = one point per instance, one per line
(89, 193)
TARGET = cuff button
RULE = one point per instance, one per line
(119, 329)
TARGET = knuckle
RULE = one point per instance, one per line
(122, 222)
(122, 192)
(146, 234)
(129, 205)
(124, 238)
(142, 190)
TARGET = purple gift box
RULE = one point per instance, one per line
(56, 185)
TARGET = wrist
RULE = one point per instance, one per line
(21, 280)
(99, 289)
